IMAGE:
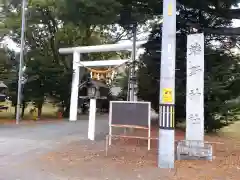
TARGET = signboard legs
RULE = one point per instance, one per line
(166, 154)
(92, 119)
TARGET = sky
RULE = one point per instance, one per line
(11, 44)
(236, 23)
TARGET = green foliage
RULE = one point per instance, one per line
(9, 72)
(52, 24)
(221, 79)
(222, 68)
(121, 81)
(89, 13)
(138, 12)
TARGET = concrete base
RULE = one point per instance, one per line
(194, 150)
(166, 149)
(187, 157)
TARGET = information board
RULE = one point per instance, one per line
(130, 113)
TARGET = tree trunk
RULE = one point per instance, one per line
(39, 107)
(15, 108)
(66, 110)
(23, 109)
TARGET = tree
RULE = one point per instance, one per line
(221, 73)
(9, 72)
(49, 27)
(121, 81)
(3, 7)
(53, 24)
(211, 8)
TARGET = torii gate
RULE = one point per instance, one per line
(77, 51)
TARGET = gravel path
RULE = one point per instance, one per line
(60, 151)
(22, 145)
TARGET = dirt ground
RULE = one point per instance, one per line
(130, 160)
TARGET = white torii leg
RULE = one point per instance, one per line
(92, 119)
(75, 83)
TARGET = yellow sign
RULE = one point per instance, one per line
(167, 95)
(170, 9)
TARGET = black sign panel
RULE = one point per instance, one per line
(130, 113)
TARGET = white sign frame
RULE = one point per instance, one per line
(111, 125)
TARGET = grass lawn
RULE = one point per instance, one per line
(232, 131)
(48, 112)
